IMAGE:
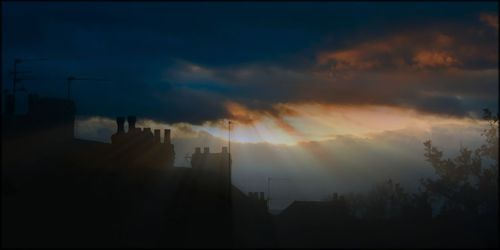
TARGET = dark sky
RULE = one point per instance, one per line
(182, 62)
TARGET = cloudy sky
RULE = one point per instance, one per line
(310, 87)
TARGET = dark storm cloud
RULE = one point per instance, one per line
(182, 62)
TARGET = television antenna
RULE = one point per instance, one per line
(187, 157)
(16, 79)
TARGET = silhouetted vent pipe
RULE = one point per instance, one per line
(157, 135)
(131, 122)
(166, 140)
(120, 123)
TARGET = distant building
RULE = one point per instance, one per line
(48, 120)
(195, 206)
(142, 147)
(213, 171)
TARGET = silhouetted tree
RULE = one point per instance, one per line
(468, 183)
(386, 200)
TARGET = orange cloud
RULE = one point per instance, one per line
(443, 40)
(424, 49)
(490, 20)
(360, 57)
(434, 59)
(245, 116)
(242, 114)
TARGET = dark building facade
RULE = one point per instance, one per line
(49, 119)
(64, 191)
(142, 147)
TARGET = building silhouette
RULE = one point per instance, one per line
(141, 147)
(65, 191)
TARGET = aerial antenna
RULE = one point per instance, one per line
(229, 135)
(70, 79)
(187, 157)
(16, 79)
(229, 149)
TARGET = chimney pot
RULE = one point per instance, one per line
(120, 123)
(157, 135)
(131, 122)
(166, 140)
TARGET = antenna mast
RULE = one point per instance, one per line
(229, 149)
(16, 79)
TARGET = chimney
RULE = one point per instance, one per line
(335, 196)
(131, 122)
(148, 131)
(206, 150)
(197, 150)
(261, 196)
(120, 122)
(224, 150)
(166, 140)
(157, 135)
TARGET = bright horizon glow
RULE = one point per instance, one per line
(305, 123)
(316, 122)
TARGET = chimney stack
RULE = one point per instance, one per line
(157, 135)
(262, 196)
(206, 150)
(224, 150)
(166, 140)
(131, 122)
(120, 122)
(197, 150)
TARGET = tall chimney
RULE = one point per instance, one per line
(131, 122)
(166, 140)
(120, 122)
(157, 135)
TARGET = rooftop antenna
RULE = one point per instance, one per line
(229, 135)
(70, 79)
(187, 157)
(16, 79)
(229, 149)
